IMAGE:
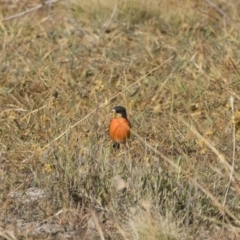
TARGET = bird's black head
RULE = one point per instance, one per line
(120, 110)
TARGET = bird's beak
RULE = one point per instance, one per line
(113, 113)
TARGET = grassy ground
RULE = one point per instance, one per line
(174, 66)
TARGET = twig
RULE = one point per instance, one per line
(234, 150)
(29, 10)
(97, 225)
(219, 10)
(107, 23)
(209, 144)
(8, 235)
(221, 208)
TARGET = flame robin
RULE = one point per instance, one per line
(119, 128)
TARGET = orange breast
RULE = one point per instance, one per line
(119, 129)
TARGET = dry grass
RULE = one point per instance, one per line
(174, 65)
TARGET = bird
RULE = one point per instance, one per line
(119, 127)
